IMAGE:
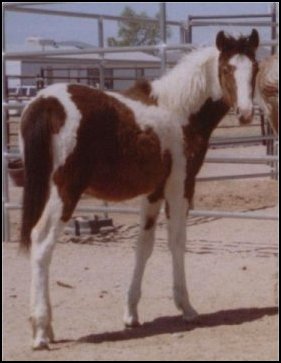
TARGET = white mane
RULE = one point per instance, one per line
(188, 85)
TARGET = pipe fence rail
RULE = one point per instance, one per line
(218, 20)
(185, 32)
(192, 212)
(232, 23)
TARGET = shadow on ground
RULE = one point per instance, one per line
(175, 324)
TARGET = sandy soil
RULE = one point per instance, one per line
(231, 273)
(231, 281)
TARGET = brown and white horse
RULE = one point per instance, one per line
(267, 90)
(149, 140)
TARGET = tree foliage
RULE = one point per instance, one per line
(132, 33)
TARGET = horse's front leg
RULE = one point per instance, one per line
(144, 247)
(177, 206)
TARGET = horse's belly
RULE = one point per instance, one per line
(125, 183)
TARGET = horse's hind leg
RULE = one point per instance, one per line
(43, 239)
(144, 247)
(58, 210)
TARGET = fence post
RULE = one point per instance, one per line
(163, 35)
(101, 45)
(181, 32)
(6, 218)
(276, 165)
(273, 27)
(162, 20)
(101, 74)
(189, 30)
(263, 132)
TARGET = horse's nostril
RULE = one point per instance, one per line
(244, 121)
(246, 116)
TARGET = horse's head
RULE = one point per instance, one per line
(237, 72)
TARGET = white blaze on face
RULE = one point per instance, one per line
(243, 77)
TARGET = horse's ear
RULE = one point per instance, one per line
(220, 40)
(254, 39)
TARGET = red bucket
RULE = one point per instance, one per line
(16, 172)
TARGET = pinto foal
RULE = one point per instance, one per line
(149, 140)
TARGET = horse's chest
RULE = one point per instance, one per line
(195, 150)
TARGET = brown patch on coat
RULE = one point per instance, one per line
(227, 80)
(149, 223)
(113, 158)
(141, 91)
(196, 137)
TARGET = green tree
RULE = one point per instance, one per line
(132, 33)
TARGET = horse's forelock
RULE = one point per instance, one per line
(239, 45)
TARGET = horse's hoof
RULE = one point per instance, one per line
(133, 324)
(51, 335)
(131, 321)
(190, 315)
(41, 344)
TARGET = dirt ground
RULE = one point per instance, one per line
(231, 274)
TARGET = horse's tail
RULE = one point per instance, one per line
(36, 138)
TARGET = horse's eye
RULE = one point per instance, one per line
(256, 66)
(226, 69)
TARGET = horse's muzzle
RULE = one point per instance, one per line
(245, 116)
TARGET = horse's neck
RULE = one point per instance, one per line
(207, 118)
(186, 88)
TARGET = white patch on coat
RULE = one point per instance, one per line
(243, 77)
(48, 220)
(65, 141)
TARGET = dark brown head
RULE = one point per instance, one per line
(237, 72)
